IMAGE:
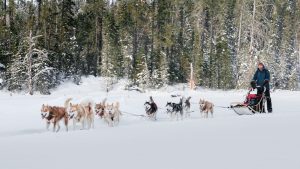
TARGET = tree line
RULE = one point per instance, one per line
(150, 42)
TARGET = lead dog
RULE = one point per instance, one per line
(206, 107)
(54, 114)
(82, 113)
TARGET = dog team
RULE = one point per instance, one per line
(83, 113)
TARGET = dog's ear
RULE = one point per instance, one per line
(117, 105)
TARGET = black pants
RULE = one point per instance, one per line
(269, 101)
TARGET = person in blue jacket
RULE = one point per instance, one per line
(262, 78)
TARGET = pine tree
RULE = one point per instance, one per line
(143, 75)
(155, 40)
(44, 77)
(17, 74)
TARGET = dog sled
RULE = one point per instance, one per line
(254, 102)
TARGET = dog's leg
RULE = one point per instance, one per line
(74, 123)
(58, 127)
(181, 114)
(154, 116)
(89, 124)
(201, 113)
(93, 122)
(116, 121)
(82, 123)
(47, 125)
(66, 123)
(54, 125)
(111, 123)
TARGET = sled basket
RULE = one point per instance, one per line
(241, 109)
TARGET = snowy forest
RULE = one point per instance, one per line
(151, 43)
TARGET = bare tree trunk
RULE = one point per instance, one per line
(192, 80)
(30, 84)
(240, 29)
(98, 37)
(252, 31)
(239, 41)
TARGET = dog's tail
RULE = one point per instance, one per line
(104, 100)
(151, 99)
(90, 107)
(117, 105)
(67, 103)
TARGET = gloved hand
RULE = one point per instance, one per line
(253, 84)
(266, 82)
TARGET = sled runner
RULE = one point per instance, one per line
(254, 102)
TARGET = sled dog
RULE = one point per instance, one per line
(187, 107)
(151, 108)
(112, 114)
(54, 114)
(206, 107)
(175, 109)
(100, 108)
(82, 113)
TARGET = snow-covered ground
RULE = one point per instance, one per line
(227, 141)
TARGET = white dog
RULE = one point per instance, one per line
(112, 114)
(82, 113)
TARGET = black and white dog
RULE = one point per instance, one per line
(187, 107)
(151, 108)
(175, 109)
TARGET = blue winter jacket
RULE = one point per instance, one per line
(261, 77)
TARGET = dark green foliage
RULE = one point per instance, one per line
(152, 43)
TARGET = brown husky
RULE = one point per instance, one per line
(54, 114)
(205, 107)
(100, 108)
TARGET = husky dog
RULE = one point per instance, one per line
(100, 108)
(54, 114)
(112, 114)
(175, 109)
(205, 107)
(82, 113)
(187, 107)
(151, 108)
